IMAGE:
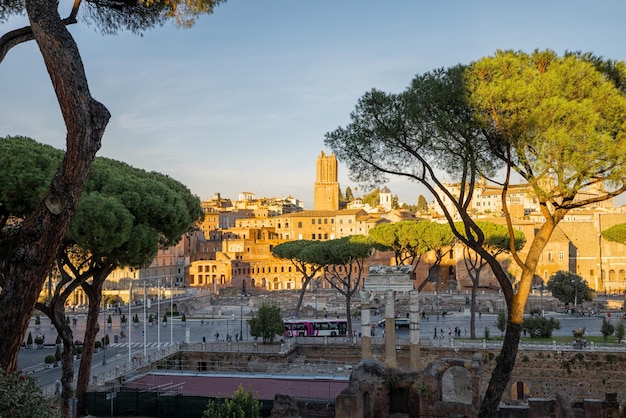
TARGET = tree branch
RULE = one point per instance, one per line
(25, 34)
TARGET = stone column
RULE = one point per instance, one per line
(414, 331)
(390, 329)
(366, 326)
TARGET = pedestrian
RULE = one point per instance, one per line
(435, 333)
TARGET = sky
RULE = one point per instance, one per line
(242, 101)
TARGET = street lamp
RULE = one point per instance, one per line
(241, 320)
(104, 340)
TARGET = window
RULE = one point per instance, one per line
(300, 224)
(561, 255)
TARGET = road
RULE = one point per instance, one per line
(196, 329)
(122, 351)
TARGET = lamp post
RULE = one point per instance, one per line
(104, 340)
(171, 309)
(130, 320)
(241, 320)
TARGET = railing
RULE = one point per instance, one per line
(281, 347)
(285, 346)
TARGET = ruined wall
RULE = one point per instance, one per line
(580, 374)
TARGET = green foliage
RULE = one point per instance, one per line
(164, 318)
(349, 195)
(57, 354)
(620, 331)
(151, 318)
(135, 16)
(136, 319)
(109, 320)
(501, 322)
(123, 319)
(38, 320)
(616, 233)
(21, 397)
(241, 405)
(267, 323)
(561, 118)
(372, 198)
(540, 327)
(565, 285)
(422, 204)
(29, 340)
(606, 329)
(49, 359)
(487, 333)
(30, 166)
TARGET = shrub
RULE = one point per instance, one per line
(606, 329)
(242, 405)
(267, 323)
(619, 332)
(49, 359)
(21, 397)
(540, 327)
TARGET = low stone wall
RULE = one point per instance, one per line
(577, 375)
(580, 374)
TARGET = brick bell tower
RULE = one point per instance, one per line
(326, 191)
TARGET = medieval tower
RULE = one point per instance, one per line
(326, 192)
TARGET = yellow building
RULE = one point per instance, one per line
(326, 190)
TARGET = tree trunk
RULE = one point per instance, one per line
(502, 372)
(348, 315)
(67, 374)
(67, 360)
(305, 284)
(24, 271)
(473, 310)
(94, 293)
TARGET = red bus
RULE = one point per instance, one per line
(315, 327)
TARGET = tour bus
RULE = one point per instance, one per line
(400, 323)
(315, 327)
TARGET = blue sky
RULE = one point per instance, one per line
(241, 101)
